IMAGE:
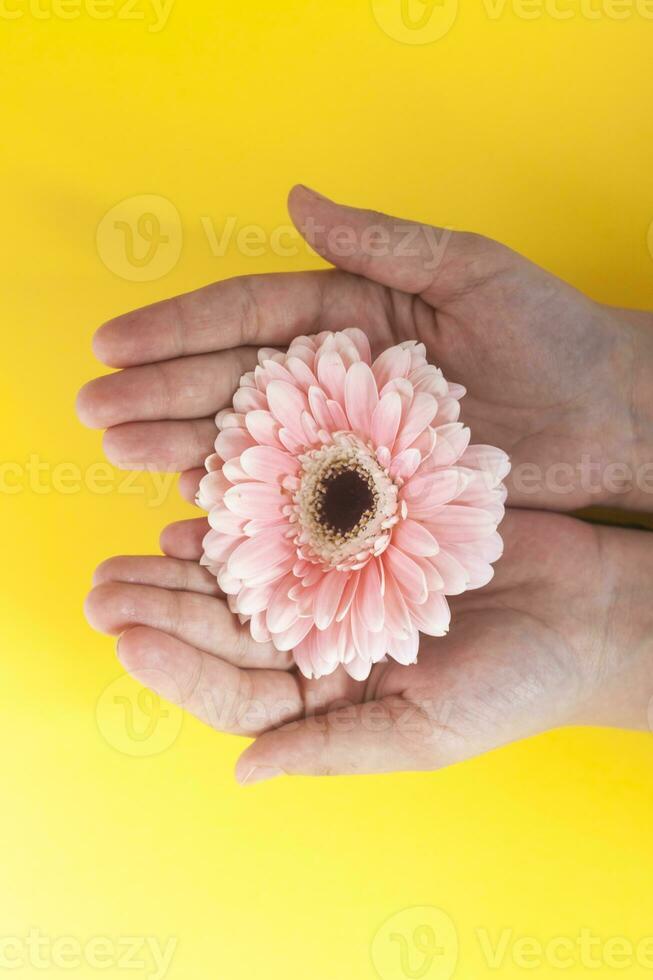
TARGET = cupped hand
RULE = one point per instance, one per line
(556, 380)
(557, 637)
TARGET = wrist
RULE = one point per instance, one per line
(628, 475)
(621, 691)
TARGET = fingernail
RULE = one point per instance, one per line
(257, 774)
(315, 193)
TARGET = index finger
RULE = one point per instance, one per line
(247, 310)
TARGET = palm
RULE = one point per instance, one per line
(518, 658)
(534, 354)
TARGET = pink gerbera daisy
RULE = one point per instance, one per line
(345, 502)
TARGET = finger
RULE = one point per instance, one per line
(353, 739)
(246, 311)
(167, 573)
(437, 263)
(202, 621)
(183, 539)
(639, 318)
(189, 483)
(185, 388)
(161, 446)
(243, 702)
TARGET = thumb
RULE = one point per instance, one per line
(389, 735)
(437, 263)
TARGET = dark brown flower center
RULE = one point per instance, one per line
(345, 497)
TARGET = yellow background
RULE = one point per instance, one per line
(535, 130)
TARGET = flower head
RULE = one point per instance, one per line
(345, 502)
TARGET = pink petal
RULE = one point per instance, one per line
(448, 411)
(489, 549)
(383, 456)
(230, 586)
(282, 611)
(404, 465)
(426, 377)
(361, 398)
(256, 554)
(270, 354)
(219, 547)
(249, 400)
(256, 500)
(369, 598)
(233, 471)
(348, 595)
(408, 574)
(271, 573)
(432, 616)
(301, 372)
(250, 601)
(451, 440)
(361, 343)
(287, 403)
(264, 524)
(358, 668)
(455, 390)
(327, 597)
(292, 442)
(397, 615)
(339, 420)
(212, 462)
(414, 538)
(294, 635)
(232, 442)
(369, 646)
(268, 464)
(330, 647)
(331, 374)
(385, 420)
(433, 578)
(309, 425)
(459, 523)
(420, 414)
(404, 649)
(452, 572)
(490, 460)
(392, 363)
(317, 401)
(258, 629)
(221, 519)
(275, 372)
(263, 427)
(302, 656)
(425, 492)
(212, 489)
(230, 420)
